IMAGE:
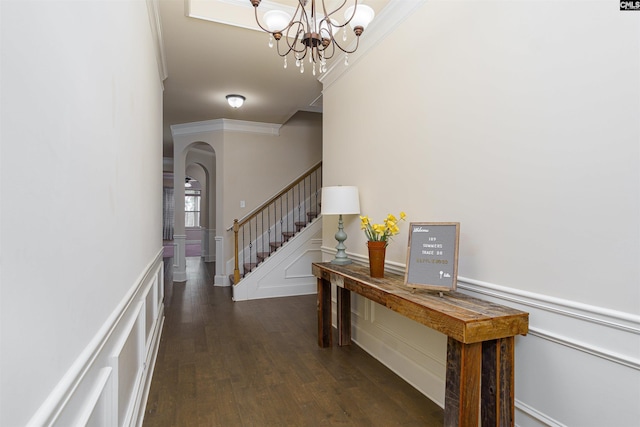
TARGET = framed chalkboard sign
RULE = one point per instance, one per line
(432, 256)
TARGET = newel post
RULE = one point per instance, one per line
(236, 269)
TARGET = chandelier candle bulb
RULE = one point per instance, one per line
(276, 21)
(360, 17)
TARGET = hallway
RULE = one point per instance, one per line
(257, 363)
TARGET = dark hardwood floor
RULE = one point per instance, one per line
(257, 363)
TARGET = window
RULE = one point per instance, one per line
(191, 208)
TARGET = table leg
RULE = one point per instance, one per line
(462, 394)
(497, 382)
(344, 315)
(324, 313)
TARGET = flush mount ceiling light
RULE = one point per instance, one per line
(236, 101)
(309, 33)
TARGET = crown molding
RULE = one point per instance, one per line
(383, 25)
(156, 33)
(226, 11)
(226, 125)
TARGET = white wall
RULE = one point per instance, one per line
(258, 166)
(81, 203)
(518, 119)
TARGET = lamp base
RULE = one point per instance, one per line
(341, 255)
(341, 261)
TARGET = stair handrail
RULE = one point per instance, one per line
(238, 223)
(280, 193)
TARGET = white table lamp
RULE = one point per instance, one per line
(340, 200)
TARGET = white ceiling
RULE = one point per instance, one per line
(207, 60)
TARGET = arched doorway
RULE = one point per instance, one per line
(195, 201)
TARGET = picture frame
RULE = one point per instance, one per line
(432, 256)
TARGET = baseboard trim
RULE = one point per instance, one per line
(427, 382)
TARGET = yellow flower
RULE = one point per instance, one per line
(381, 232)
(364, 222)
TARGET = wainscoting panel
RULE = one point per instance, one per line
(99, 401)
(109, 383)
(578, 366)
(126, 364)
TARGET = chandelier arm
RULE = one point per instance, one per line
(327, 16)
(301, 51)
(291, 45)
(278, 50)
(297, 39)
(304, 17)
(255, 9)
(326, 49)
(335, 42)
(331, 25)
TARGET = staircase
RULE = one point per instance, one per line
(260, 257)
(285, 227)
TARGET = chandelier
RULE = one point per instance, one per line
(310, 35)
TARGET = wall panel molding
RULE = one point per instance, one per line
(91, 392)
(613, 335)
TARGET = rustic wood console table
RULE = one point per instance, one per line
(480, 344)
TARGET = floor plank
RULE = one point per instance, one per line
(257, 363)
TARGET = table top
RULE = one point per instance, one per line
(459, 316)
